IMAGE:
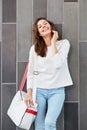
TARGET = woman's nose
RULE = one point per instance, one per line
(44, 26)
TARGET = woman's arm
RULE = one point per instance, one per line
(28, 98)
(30, 69)
(53, 42)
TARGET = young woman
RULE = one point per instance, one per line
(52, 74)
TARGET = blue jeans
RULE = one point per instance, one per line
(50, 103)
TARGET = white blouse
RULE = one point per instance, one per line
(51, 71)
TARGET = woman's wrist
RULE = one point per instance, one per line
(29, 91)
(54, 47)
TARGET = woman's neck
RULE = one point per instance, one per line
(47, 40)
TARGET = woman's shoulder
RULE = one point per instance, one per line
(63, 41)
(32, 47)
(31, 50)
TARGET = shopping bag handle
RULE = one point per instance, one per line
(24, 78)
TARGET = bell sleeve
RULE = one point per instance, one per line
(59, 58)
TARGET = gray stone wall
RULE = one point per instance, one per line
(16, 20)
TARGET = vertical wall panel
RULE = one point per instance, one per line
(24, 28)
(0, 19)
(9, 53)
(83, 86)
(55, 11)
(8, 91)
(9, 10)
(39, 9)
(71, 116)
(83, 20)
(58, 27)
(70, 31)
(0, 53)
(70, 0)
(0, 85)
(21, 69)
(60, 121)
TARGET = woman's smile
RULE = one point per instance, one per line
(45, 29)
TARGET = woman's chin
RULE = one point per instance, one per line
(46, 34)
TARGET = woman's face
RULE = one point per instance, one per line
(44, 28)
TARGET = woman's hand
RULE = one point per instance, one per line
(28, 99)
(54, 37)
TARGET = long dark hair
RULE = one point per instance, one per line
(40, 46)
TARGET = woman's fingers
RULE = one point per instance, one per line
(28, 101)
